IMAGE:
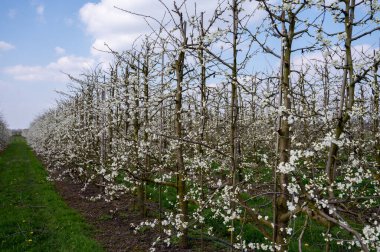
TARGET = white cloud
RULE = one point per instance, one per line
(4, 46)
(40, 10)
(118, 29)
(53, 72)
(59, 50)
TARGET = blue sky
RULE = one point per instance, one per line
(36, 28)
(34, 34)
(40, 39)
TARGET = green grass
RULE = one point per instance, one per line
(33, 217)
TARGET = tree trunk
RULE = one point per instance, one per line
(181, 183)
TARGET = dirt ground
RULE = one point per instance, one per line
(113, 229)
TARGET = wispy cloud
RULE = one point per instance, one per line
(12, 13)
(59, 50)
(40, 9)
(53, 72)
(4, 46)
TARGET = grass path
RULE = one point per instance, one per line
(33, 217)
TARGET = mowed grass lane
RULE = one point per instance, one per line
(33, 217)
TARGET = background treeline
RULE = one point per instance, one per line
(254, 159)
(4, 133)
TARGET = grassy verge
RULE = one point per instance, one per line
(33, 217)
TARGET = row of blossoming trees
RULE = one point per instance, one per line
(232, 152)
(4, 134)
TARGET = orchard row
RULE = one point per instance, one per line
(259, 133)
